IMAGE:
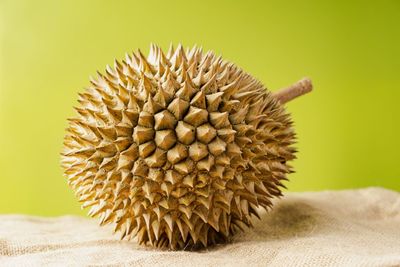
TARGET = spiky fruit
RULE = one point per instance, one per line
(177, 150)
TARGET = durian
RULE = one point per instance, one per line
(178, 149)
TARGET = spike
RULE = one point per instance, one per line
(188, 180)
(139, 169)
(155, 174)
(219, 119)
(170, 222)
(206, 163)
(107, 132)
(171, 51)
(177, 153)
(210, 86)
(198, 151)
(213, 101)
(144, 66)
(184, 167)
(186, 92)
(157, 159)
(146, 149)
(217, 147)
(222, 159)
(217, 171)
(142, 134)
(165, 139)
(107, 150)
(173, 177)
(163, 98)
(183, 229)
(199, 80)
(164, 120)
(145, 84)
(196, 116)
(199, 100)
(152, 106)
(233, 149)
(226, 134)
(178, 57)
(185, 133)
(178, 107)
(205, 133)
(231, 88)
(146, 119)
(239, 116)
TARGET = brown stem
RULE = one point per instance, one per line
(300, 88)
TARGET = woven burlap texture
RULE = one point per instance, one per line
(330, 228)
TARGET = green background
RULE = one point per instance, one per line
(348, 128)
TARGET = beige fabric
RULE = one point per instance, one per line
(332, 228)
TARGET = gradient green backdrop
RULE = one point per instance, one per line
(348, 128)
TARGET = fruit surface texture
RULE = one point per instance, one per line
(177, 149)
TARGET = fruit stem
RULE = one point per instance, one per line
(299, 88)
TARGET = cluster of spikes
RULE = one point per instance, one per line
(179, 150)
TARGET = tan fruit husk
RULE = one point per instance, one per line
(177, 150)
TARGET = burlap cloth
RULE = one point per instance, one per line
(331, 228)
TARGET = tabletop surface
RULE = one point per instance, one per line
(329, 228)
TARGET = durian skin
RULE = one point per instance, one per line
(177, 150)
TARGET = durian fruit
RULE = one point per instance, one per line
(180, 149)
